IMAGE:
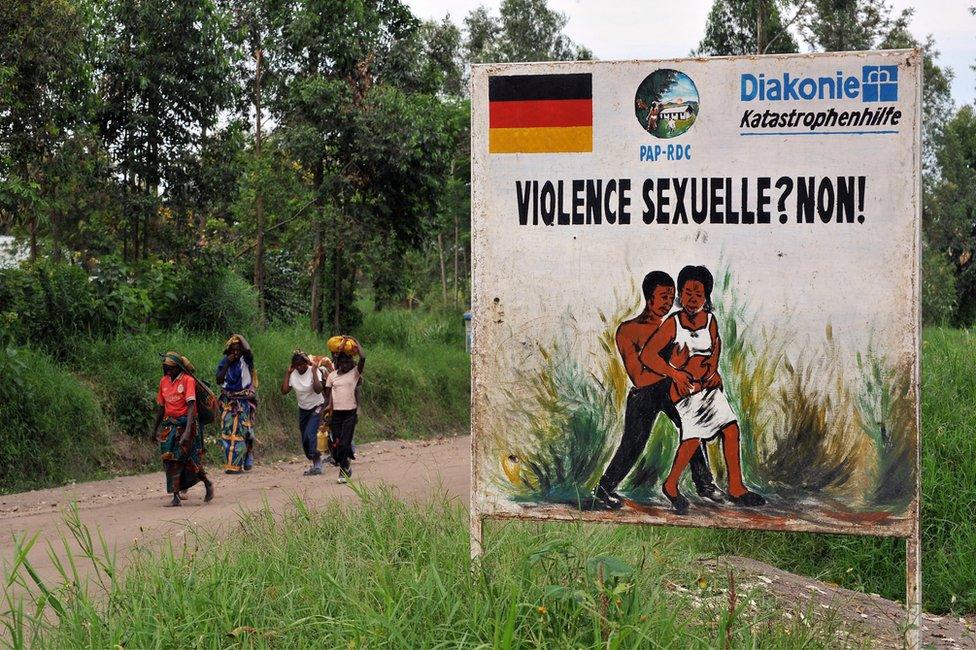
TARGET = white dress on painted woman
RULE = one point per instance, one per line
(703, 414)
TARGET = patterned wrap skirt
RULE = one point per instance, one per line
(236, 426)
(186, 461)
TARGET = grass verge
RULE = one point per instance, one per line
(384, 573)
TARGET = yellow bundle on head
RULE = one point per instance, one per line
(323, 361)
(340, 344)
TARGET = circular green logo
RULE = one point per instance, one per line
(666, 103)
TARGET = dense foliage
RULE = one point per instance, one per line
(948, 134)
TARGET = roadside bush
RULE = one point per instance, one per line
(200, 294)
(939, 299)
(50, 305)
(51, 424)
(286, 286)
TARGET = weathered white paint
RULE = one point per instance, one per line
(530, 281)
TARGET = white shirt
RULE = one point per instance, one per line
(343, 389)
(302, 385)
(698, 342)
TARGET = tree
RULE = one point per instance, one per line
(442, 41)
(736, 27)
(360, 115)
(848, 25)
(950, 228)
(165, 77)
(45, 85)
(525, 30)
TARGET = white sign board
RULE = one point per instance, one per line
(696, 290)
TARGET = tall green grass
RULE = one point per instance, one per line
(416, 385)
(384, 573)
(51, 423)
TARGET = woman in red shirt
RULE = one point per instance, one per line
(180, 438)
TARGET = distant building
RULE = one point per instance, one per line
(682, 112)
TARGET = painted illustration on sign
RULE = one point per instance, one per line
(666, 103)
(717, 331)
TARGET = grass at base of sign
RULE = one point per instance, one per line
(948, 494)
(386, 573)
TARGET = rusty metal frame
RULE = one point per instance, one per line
(913, 577)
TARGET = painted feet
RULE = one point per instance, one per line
(748, 500)
(711, 492)
(607, 498)
(678, 501)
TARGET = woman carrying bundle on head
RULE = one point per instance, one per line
(341, 391)
(238, 379)
(306, 377)
(178, 428)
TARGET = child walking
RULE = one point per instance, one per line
(343, 399)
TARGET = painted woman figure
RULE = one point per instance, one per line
(178, 430)
(696, 387)
(238, 402)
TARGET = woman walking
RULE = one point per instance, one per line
(178, 429)
(238, 401)
(696, 388)
(304, 376)
(341, 389)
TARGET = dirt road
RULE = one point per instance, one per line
(131, 509)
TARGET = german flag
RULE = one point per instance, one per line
(540, 113)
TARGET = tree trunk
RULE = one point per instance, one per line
(440, 254)
(55, 237)
(259, 199)
(465, 266)
(337, 287)
(32, 224)
(455, 258)
(317, 263)
(759, 27)
(319, 254)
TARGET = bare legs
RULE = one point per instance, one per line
(730, 449)
(681, 459)
(739, 493)
(174, 469)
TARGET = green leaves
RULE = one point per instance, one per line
(606, 567)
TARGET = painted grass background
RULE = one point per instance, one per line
(809, 428)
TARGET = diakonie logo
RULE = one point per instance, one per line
(666, 103)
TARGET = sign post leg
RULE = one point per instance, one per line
(913, 589)
(477, 528)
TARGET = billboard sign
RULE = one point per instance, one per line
(696, 291)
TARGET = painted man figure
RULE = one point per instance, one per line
(648, 396)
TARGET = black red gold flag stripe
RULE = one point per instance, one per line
(540, 113)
